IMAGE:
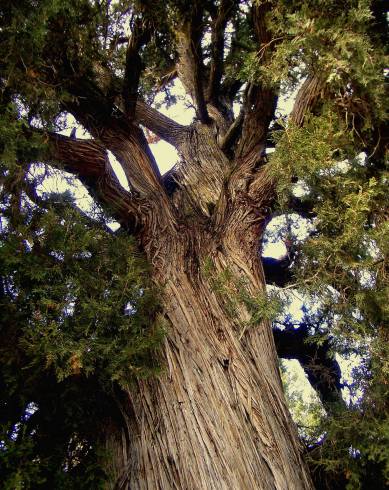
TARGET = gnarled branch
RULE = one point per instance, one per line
(119, 134)
(158, 123)
(88, 161)
(112, 127)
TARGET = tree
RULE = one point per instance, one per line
(216, 416)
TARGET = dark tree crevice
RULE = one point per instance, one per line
(277, 271)
(316, 359)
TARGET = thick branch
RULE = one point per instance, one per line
(260, 102)
(128, 144)
(253, 125)
(119, 135)
(139, 37)
(311, 91)
(158, 123)
(230, 86)
(224, 12)
(221, 121)
(88, 160)
(233, 132)
(191, 66)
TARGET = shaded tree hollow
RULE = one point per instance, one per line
(216, 418)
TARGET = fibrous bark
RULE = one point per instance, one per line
(217, 417)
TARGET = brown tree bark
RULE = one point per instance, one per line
(216, 418)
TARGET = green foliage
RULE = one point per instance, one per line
(79, 315)
(234, 293)
(353, 445)
(349, 247)
(342, 266)
(79, 320)
(36, 38)
(333, 38)
(69, 283)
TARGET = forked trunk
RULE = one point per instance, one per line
(216, 418)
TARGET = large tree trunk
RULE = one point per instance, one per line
(216, 418)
